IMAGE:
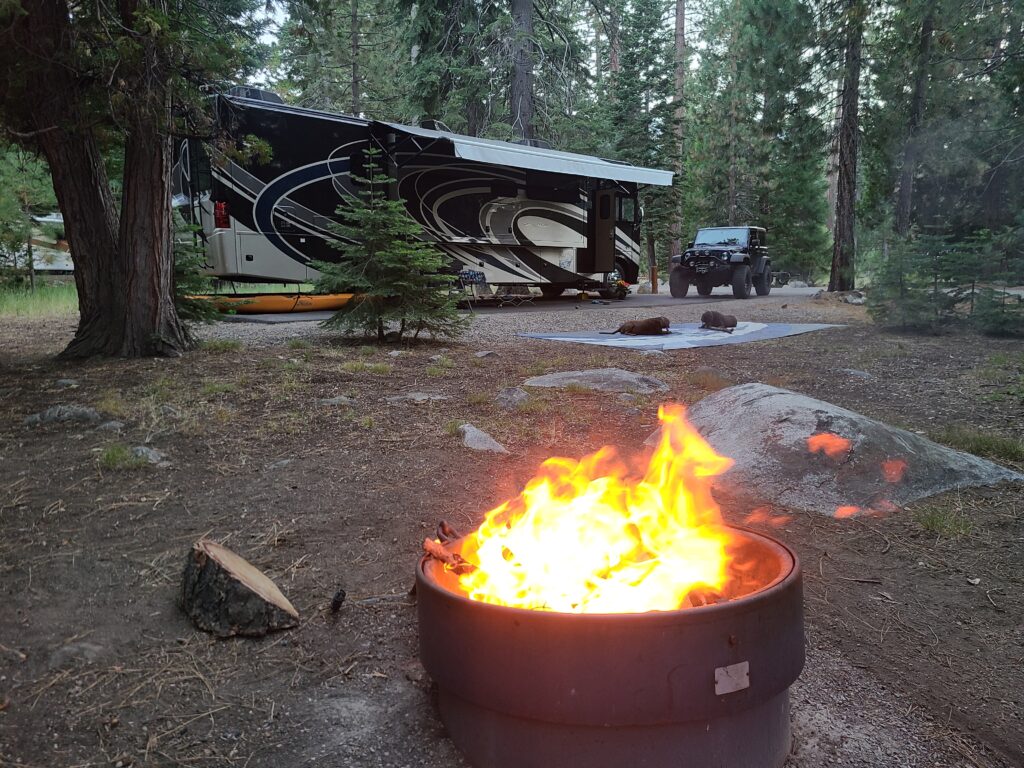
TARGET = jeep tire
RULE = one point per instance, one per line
(678, 283)
(704, 286)
(763, 282)
(741, 282)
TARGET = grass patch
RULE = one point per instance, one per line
(47, 300)
(452, 426)
(160, 390)
(478, 398)
(220, 346)
(534, 406)
(708, 380)
(577, 389)
(118, 457)
(299, 344)
(1007, 359)
(982, 443)
(437, 370)
(943, 522)
(366, 422)
(112, 403)
(217, 388)
(359, 366)
(367, 351)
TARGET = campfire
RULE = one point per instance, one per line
(608, 616)
(601, 536)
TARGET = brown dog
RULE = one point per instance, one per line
(652, 326)
(716, 321)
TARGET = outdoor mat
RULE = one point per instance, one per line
(686, 336)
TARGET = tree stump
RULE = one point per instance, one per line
(225, 594)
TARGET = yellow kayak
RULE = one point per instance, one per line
(260, 303)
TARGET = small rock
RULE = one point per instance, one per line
(339, 400)
(478, 440)
(511, 397)
(66, 383)
(80, 651)
(652, 352)
(627, 397)
(280, 464)
(62, 413)
(150, 456)
(436, 358)
(856, 374)
(169, 411)
(397, 353)
(416, 397)
(853, 299)
(974, 582)
(111, 426)
(486, 353)
(796, 284)
(601, 380)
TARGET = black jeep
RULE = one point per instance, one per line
(736, 256)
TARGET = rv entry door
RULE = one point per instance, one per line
(602, 230)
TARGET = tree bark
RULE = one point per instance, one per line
(354, 52)
(521, 92)
(123, 268)
(844, 243)
(614, 38)
(905, 185)
(675, 247)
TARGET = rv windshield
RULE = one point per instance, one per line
(723, 236)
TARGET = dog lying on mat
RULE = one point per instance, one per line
(652, 326)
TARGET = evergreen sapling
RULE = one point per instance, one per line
(398, 279)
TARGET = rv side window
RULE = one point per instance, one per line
(605, 207)
(627, 210)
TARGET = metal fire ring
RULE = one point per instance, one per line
(692, 688)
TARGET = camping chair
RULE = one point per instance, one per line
(467, 284)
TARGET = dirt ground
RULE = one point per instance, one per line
(915, 622)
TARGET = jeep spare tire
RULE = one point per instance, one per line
(678, 284)
(763, 282)
(741, 282)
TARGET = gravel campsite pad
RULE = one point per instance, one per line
(325, 463)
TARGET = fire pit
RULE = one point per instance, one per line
(568, 658)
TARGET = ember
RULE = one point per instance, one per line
(833, 446)
(589, 536)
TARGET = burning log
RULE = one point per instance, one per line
(453, 561)
(225, 594)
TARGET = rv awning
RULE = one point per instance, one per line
(537, 159)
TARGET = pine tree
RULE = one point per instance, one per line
(25, 189)
(398, 278)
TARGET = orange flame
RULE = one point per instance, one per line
(893, 470)
(832, 445)
(587, 537)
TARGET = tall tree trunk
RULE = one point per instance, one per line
(354, 53)
(676, 226)
(614, 37)
(905, 185)
(832, 166)
(31, 260)
(844, 245)
(151, 324)
(521, 92)
(733, 121)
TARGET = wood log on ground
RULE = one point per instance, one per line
(225, 594)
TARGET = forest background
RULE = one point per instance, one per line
(848, 128)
